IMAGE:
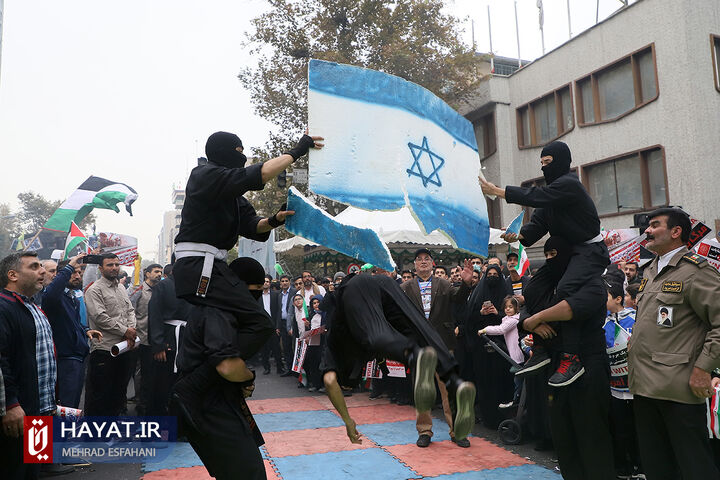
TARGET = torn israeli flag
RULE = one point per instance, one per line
(318, 226)
(390, 143)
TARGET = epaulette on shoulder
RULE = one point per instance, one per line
(695, 259)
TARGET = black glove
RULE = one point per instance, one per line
(301, 148)
(273, 221)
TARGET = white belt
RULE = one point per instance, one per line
(210, 253)
(595, 239)
(178, 324)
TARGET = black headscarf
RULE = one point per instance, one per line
(561, 161)
(220, 150)
(492, 290)
(540, 291)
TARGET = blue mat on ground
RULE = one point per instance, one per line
(356, 464)
(524, 472)
(400, 433)
(182, 455)
(279, 422)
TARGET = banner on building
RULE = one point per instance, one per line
(622, 249)
(124, 246)
(710, 249)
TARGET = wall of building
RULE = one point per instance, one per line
(684, 119)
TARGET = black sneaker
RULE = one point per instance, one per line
(424, 393)
(465, 410)
(537, 362)
(569, 370)
(463, 442)
(423, 441)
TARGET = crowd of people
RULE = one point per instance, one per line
(614, 363)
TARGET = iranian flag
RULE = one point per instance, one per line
(74, 238)
(95, 192)
(523, 263)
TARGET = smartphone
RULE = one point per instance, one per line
(487, 304)
(92, 259)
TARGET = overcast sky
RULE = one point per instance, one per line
(129, 91)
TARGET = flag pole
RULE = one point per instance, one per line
(32, 240)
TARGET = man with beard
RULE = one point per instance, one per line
(167, 317)
(214, 381)
(375, 319)
(562, 208)
(69, 335)
(579, 413)
(214, 214)
(491, 372)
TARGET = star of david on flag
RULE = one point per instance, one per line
(417, 153)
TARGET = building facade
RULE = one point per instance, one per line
(637, 99)
(170, 226)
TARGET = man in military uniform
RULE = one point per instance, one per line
(674, 347)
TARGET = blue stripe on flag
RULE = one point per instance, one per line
(381, 88)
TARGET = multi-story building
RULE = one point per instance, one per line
(171, 224)
(637, 99)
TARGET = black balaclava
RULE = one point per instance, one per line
(220, 150)
(249, 271)
(493, 281)
(559, 263)
(561, 161)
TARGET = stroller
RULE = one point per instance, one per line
(511, 429)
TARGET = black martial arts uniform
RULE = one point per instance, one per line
(563, 208)
(164, 307)
(216, 213)
(579, 412)
(219, 425)
(374, 318)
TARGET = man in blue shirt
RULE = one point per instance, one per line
(62, 307)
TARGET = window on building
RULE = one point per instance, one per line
(545, 119)
(715, 51)
(628, 183)
(485, 134)
(494, 208)
(617, 89)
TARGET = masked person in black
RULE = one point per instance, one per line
(578, 414)
(491, 372)
(562, 208)
(209, 397)
(215, 213)
(374, 319)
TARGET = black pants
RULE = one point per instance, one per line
(228, 449)
(147, 380)
(622, 427)
(586, 261)
(579, 421)
(107, 381)
(272, 347)
(312, 366)
(11, 460)
(673, 440)
(70, 381)
(163, 381)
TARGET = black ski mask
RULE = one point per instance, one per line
(558, 263)
(561, 161)
(220, 150)
(249, 271)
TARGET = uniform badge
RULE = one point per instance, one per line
(665, 316)
(642, 284)
(672, 286)
(694, 258)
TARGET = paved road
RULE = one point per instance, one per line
(305, 439)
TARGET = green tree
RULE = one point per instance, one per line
(412, 39)
(8, 228)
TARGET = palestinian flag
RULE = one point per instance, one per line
(95, 192)
(74, 238)
(523, 261)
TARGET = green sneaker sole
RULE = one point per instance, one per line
(425, 379)
(465, 416)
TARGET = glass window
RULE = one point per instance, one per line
(545, 120)
(629, 183)
(656, 178)
(617, 94)
(525, 122)
(619, 88)
(588, 103)
(646, 68)
(716, 59)
(601, 187)
(480, 137)
(566, 109)
(623, 184)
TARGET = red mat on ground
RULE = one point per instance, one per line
(282, 405)
(307, 442)
(381, 414)
(446, 457)
(357, 400)
(198, 473)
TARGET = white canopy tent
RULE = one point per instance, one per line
(398, 226)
